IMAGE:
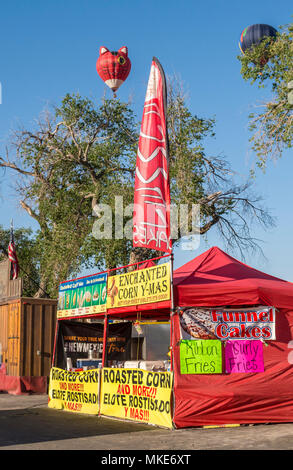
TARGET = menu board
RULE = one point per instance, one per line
(84, 296)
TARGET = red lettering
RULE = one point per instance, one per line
(228, 316)
(266, 332)
(245, 333)
(221, 331)
(234, 332)
(256, 332)
(240, 316)
(263, 316)
(123, 389)
(251, 317)
(215, 315)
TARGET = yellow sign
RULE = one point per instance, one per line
(84, 311)
(74, 391)
(137, 395)
(139, 287)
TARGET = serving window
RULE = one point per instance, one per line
(129, 344)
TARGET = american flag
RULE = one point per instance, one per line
(12, 256)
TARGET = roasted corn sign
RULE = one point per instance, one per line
(74, 391)
(138, 395)
(139, 287)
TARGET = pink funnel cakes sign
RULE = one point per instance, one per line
(244, 356)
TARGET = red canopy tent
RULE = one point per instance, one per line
(215, 279)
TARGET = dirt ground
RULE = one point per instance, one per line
(26, 423)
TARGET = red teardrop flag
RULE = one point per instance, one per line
(151, 220)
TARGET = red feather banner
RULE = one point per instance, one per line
(151, 219)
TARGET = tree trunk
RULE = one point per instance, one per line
(41, 292)
(136, 255)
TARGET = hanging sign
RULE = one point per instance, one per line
(75, 340)
(201, 357)
(84, 296)
(138, 395)
(74, 391)
(228, 324)
(244, 356)
(139, 287)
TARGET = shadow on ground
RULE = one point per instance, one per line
(24, 426)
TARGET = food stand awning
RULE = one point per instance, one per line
(214, 278)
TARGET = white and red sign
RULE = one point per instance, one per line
(199, 323)
(151, 219)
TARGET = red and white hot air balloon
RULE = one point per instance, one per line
(113, 67)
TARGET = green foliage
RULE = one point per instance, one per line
(27, 256)
(84, 154)
(76, 157)
(272, 126)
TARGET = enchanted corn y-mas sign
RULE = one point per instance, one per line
(139, 287)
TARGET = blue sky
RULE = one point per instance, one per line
(50, 48)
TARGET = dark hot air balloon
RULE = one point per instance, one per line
(113, 67)
(253, 35)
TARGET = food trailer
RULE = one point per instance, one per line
(225, 358)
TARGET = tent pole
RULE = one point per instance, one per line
(171, 313)
(104, 357)
(55, 341)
